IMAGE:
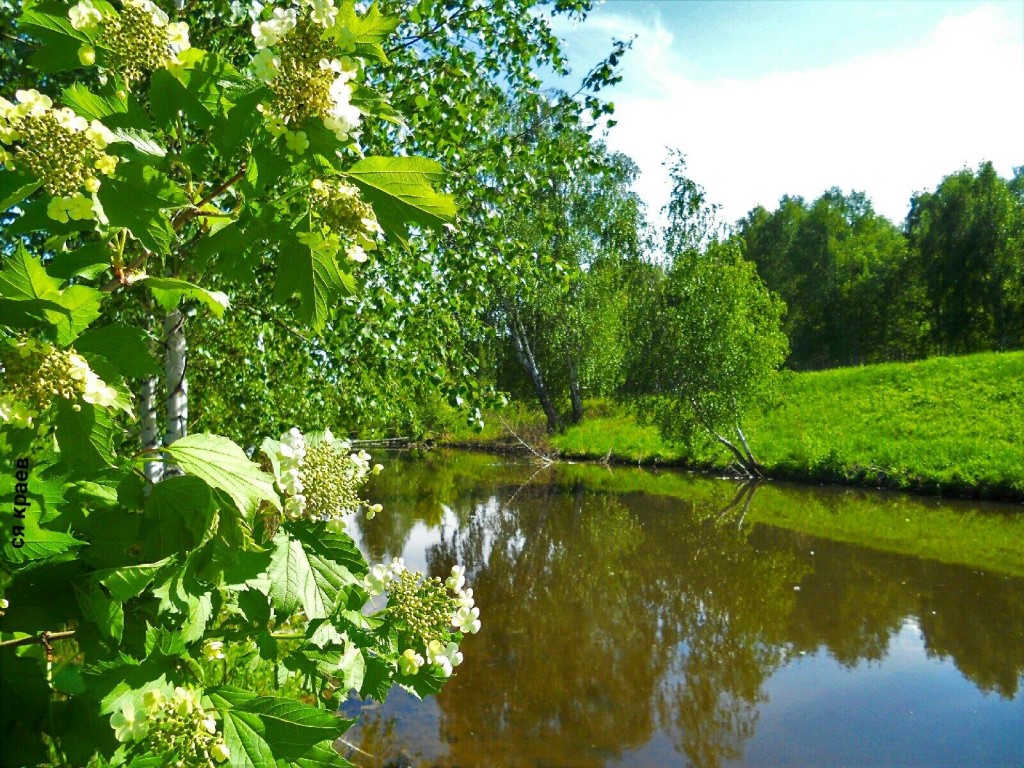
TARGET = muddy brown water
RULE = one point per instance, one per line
(624, 629)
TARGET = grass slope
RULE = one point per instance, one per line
(943, 425)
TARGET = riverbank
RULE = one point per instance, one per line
(952, 426)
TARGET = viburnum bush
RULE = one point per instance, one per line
(136, 197)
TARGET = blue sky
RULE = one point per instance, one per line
(773, 97)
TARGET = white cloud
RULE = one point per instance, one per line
(888, 123)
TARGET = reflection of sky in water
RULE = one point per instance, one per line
(907, 710)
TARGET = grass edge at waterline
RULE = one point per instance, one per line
(947, 425)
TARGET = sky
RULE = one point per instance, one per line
(775, 97)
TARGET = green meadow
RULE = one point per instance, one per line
(946, 425)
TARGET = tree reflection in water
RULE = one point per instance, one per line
(610, 619)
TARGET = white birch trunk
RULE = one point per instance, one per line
(150, 428)
(174, 377)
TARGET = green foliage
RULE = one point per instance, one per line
(140, 194)
(415, 333)
(707, 345)
(969, 237)
(559, 306)
(860, 291)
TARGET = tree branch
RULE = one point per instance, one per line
(196, 210)
(43, 637)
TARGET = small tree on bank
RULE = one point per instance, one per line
(706, 348)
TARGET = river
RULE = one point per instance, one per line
(632, 619)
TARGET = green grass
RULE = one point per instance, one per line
(945, 425)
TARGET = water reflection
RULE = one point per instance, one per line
(629, 629)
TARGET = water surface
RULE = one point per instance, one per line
(675, 629)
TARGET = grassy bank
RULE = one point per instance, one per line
(946, 425)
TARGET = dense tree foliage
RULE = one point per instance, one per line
(409, 342)
(859, 290)
(968, 236)
(705, 346)
(161, 175)
(560, 308)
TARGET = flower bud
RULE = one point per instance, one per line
(220, 752)
(87, 55)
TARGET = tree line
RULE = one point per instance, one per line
(861, 290)
(689, 324)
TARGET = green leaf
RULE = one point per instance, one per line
(134, 199)
(163, 641)
(351, 668)
(311, 571)
(142, 140)
(370, 30)
(400, 191)
(57, 55)
(265, 727)
(315, 277)
(15, 186)
(247, 747)
(292, 723)
(93, 106)
(89, 261)
(427, 682)
(23, 277)
(169, 292)
(125, 347)
(85, 436)
(179, 514)
(222, 464)
(267, 165)
(82, 305)
(50, 18)
(70, 311)
(241, 123)
(208, 80)
(183, 595)
(106, 614)
(37, 543)
(167, 96)
(50, 24)
(68, 680)
(377, 679)
(199, 88)
(322, 756)
(225, 253)
(128, 582)
(124, 679)
(27, 314)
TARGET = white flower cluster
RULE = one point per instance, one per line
(341, 211)
(137, 40)
(301, 56)
(174, 727)
(429, 612)
(35, 372)
(292, 453)
(318, 477)
(467, 615)
(380, 575)
(60, 148)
